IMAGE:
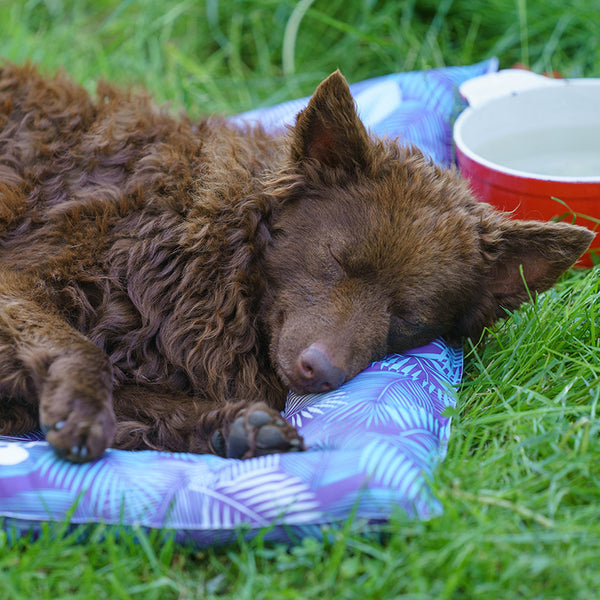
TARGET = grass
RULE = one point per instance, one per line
(521, 483)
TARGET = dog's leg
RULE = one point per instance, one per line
(155, 418)
(44, 361)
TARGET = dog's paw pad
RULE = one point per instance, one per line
(273, 437)
(258, 418)
(238, 441)
(257, 433)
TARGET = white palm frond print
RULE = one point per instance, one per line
(255, 491)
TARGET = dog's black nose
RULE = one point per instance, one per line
(316, 372)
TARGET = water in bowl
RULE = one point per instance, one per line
(557, 152)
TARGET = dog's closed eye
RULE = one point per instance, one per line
(337, 262)
(404, 332)
(398, 329)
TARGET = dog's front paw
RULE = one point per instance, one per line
(82, 435)
(256, 431)
(76, 415)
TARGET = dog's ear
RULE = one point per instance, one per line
(329, 130)
(532, 253)
(522, 258)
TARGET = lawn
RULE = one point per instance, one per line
(520, 485)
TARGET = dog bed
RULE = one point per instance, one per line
(373, 444)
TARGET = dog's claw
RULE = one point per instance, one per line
(76, 454)
(79, 453)
(56, 427)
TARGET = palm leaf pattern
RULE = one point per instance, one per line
(373, 443)
(255, 492)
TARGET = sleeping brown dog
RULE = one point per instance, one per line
(163, 282)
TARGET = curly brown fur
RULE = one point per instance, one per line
(158, 276)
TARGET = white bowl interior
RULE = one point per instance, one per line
(550, 132)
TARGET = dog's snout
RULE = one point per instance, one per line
(316, 371)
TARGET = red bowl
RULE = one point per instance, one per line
(531, 145)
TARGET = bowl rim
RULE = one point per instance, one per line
(461, 145)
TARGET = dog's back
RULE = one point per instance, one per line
(135, 218)
(68, 159)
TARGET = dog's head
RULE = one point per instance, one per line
(376, 250)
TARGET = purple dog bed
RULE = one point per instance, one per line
(373, 444)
